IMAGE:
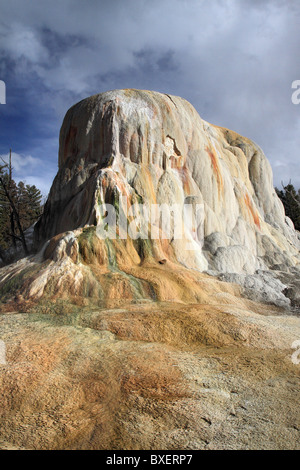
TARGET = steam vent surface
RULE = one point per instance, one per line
(142, 342)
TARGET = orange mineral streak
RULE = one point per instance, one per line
(177, 161)
(216, 167)
(252, 210)
(122, 188)
(185, 178)
(69, 146)
(149, 184)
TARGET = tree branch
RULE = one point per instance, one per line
(291, 194)
(16, 214)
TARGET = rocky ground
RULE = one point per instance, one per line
(151, 376)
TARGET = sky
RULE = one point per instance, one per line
(234, 60)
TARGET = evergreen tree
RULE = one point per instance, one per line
(20, 207)
(34, 203)
(28, 202)
(291, 202)
(5, 239)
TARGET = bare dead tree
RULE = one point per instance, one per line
(2, 255)
(15, 215)
(12, 220)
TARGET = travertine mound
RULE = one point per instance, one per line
(128, 343)
(154, 148)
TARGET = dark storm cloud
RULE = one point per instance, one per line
(234, 60)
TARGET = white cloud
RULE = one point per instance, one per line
(21, 164)
(26, 168)
(22, 42)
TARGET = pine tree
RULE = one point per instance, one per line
(5, 239)
(28, 201)
(34, 206)
(20, 207)
(291, 202)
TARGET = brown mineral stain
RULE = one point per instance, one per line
(52, 245)
(70, 139)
